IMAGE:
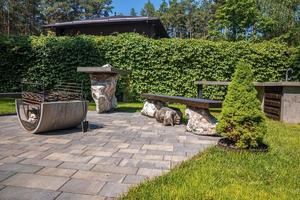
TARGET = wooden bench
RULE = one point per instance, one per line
(190, 102)
(200, 121)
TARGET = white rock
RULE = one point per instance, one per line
(200, 121)
(150, 108)
(103, 92)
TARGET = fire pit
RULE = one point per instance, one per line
(103, 85)
(60, 108)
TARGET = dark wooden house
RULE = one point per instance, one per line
(148, 26)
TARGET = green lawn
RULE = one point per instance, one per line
(7, 106)
(221, 174)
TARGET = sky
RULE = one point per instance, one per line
(124, 6)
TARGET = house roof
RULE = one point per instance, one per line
(111, 20)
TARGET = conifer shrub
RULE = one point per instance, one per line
(242, 120)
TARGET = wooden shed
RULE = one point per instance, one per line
(148, 26)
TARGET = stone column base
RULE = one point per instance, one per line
(200, 121)
(151, 107)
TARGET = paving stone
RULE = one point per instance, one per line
(197, 141)
(158, 147)
(148, 156)
(79, 186)
(71, 196)
(145, 163)
(36, 181)
(57, 172)
(98, 153)
(6, 174)
(76, 166)
(36, 148)
(150, 172)
(129, 149)
(134, 179)
(135, 146)
(20, 168)
(132, 151)
(41, 162)
(30, 154)
(98, 176)
(115, 169)
(6, 142)
(155, 152)
(57, 141)
(106, 161)
(175, 158)
(122, 155)
(11, 159)
(68, 157)
(123, 145)
(114, 189)
(20, 193)
(77, 146)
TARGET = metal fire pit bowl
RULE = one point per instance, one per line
(60, 108)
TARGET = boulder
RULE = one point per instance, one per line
(151, 107)
(200, 121)
(169, 116)
(103, 92)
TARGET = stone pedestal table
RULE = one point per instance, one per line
(103, 85)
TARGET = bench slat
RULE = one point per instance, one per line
(191, 102)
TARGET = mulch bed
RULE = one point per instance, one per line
(225, 143)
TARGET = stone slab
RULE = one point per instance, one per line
(41, 162)
(11, 159)
(56, 172)
(98, 176)
(150, 173)
(6, 174)
(115, 169)
(30, 154)
(20, 193)
(106, 161)
(68, 157)
(158, 147)
(98, 153)
(76, 166)
(71, 196)
(134, 179)
(114, 189)
(36, 181)
(57, 141)
(151, 164)
(79, 186)
(20, 168)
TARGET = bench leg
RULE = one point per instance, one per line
(200, 121)
(151, 107)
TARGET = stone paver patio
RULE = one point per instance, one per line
(121, 150)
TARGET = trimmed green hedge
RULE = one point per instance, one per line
(15, 59)
(167, 66)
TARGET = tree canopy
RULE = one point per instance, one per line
(25, 17)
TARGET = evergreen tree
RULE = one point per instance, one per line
(70, 10)
(242, 120)
(235, 19)
(132, 12)
(148, 10)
